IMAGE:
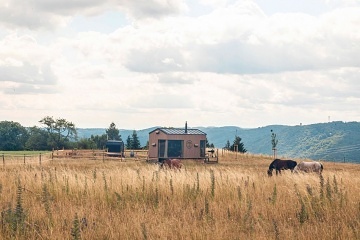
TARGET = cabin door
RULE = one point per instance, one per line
(161, 149)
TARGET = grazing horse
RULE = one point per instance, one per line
(171, 163)
(309, 167)
(279, 165)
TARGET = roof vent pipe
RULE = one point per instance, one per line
(186, 127)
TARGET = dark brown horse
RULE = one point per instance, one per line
(279, 165)
(171, 163)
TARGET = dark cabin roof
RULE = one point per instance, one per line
(113, 142)
(179, 131)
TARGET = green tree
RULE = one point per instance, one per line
(227, 145)
(135, 142)
(209, 145)
(113, 133)
(128, 142)
(274, 142)
(37, 140)
(60, 131)
(240, 145)
(146, 147)
(99, 140)
(86, 143)
(13, 136)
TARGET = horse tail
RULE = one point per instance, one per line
(322, 167)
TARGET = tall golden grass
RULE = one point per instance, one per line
(235, 199)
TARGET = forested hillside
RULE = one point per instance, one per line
(334, 141)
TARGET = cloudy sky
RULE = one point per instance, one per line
(145, 63)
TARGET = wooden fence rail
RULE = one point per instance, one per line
(100, 154)
(24, 158)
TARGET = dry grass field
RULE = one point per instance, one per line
(235, 199)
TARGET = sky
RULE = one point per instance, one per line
(146, 63)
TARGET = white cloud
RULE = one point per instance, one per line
(241, 63)
(43, 14)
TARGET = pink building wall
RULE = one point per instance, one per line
(191, 148)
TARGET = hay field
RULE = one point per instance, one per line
(235, 199)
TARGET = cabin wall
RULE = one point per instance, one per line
(191, 143)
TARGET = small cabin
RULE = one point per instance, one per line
(182, 143)
(115, 147)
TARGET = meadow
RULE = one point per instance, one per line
(133, 199)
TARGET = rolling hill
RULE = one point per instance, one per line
(333, 141)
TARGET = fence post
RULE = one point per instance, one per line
(24, 158)
(3, 159)
(40, 158)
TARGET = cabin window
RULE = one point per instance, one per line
(175, 148)
(162, 148)
(202, 148)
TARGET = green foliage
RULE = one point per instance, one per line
(37, 140)
(133, 142)
(274, 141)
(227, 145)
(14, 219)
(239, 144)
(13, 136)
(19, 210)
(45, 198)
(75, 230)
(113, 133)
(60, 131)
(128, 142)
(86, 144)
(209, 145)
(99, 141)
(302, 215)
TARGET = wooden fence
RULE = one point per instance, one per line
(39, 158)
(11, 159)
(101, 154)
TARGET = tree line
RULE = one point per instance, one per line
(237, 145)
(57, 134)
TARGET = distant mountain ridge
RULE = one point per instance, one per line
(333, 141)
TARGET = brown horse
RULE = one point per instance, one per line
(171, 163)
(279, 165)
